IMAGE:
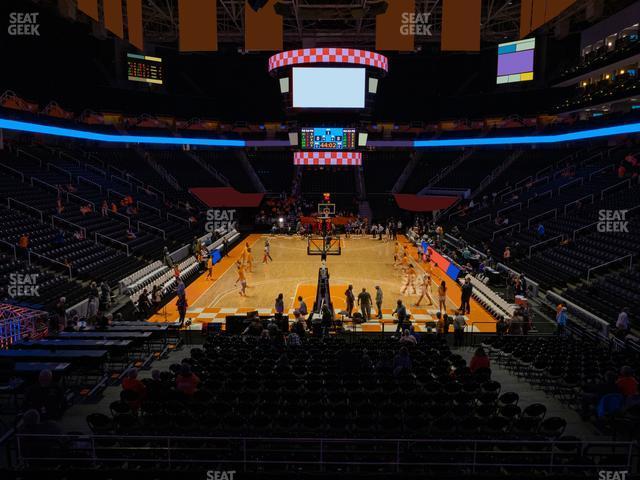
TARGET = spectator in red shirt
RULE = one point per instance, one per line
(627, 384)
(187, 381)
(132, 383)
(479, 360)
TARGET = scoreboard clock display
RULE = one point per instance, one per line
(143, 68)
(328, 138)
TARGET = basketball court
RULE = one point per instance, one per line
(363, 263)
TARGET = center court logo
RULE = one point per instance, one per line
(23, 285)
(415, 24)
(24, 24)
(220, 219)
(613, 221)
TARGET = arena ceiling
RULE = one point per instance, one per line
(311, 23)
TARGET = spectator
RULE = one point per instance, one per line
(182, 305)
(187, 381)
(180, 287)
(279, 304)
(379, 296)
(593, 393)
(408, 338)
(350, 299)
(23, 241)
(298, 326)
(479, 360)
(626, 383)
(540, 230)
(302, 307)
(622, 324)
(465, 296)
(402, 362)
(131, 383)
(46, 397)
(401, 314)
(561, 321)
(364, 301)
(439, 324)
(458, 328)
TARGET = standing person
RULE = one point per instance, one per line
(209, 266)
(622, 323)
(302, 307)
(465, 295)
(379, 296)
(156, 296)
(241, 278)
(94, 299)
(279, 304)
(442, 297)
(397, 254)
(364, 301)
(561, 320)
(401, 315)
(182, 305)
(249, 260)
(458, 328)
(411, 278)
(425, 290)
(350, 299)
(267, 252)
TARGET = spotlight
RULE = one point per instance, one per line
(257, 4)
(281, 220)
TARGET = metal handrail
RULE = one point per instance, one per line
(535, 245)
(600, 170)
(619, 259)
(30, 252)
(55, 217)
(583, 228)
(14, 171)
(164, 235)
(568, 184)
(21, 151)
(493, 237)
(146, 205)
(11, 199)
(538, 197)
(540, 215)
(628, 181)
(82, 200)
(127, 218)
(579, 200)
(60, 169)
(122, 180)
(46, 184)
(86, 180)
(179, 218)
(510, 207)
(96, 169)
(100, 235)
(12, 246)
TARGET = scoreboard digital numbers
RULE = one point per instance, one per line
(143, 68)
(328, 138)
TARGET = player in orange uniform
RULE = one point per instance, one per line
(241, 278)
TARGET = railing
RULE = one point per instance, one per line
(602, 265)
(522, 181)
(572, 182)
(115, 192)
(541, 196)
(600, 170)
(47, 185)
(73, 159)
(164, 235)
(583, 228)
(126, 218)
(22, 204)
(387, 455)
(60, 169)
(510, 227)
(90, 182)
(179, 218)
(96, 169)
(122, 181)
(112, 240)
(150, 207)
(510, 192)
(544, 242)
(75, 225)
(12, 247)
(146, 189)
(579, 201)
(82, 200)
(535, 286)
(510, 207)
(11, 169)
(540, 215)
(50, 260)
(619, 184)
(21, 151)
(604, 326)
(479, 219)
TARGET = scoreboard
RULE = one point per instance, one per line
(328, 138)
(143, 68)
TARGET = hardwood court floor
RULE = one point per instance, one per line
(364, 263)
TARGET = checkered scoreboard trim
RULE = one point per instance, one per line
(328, 55)
(327, 158)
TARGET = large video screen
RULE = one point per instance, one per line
(515, 61)
(328, 138)
(328, 87)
